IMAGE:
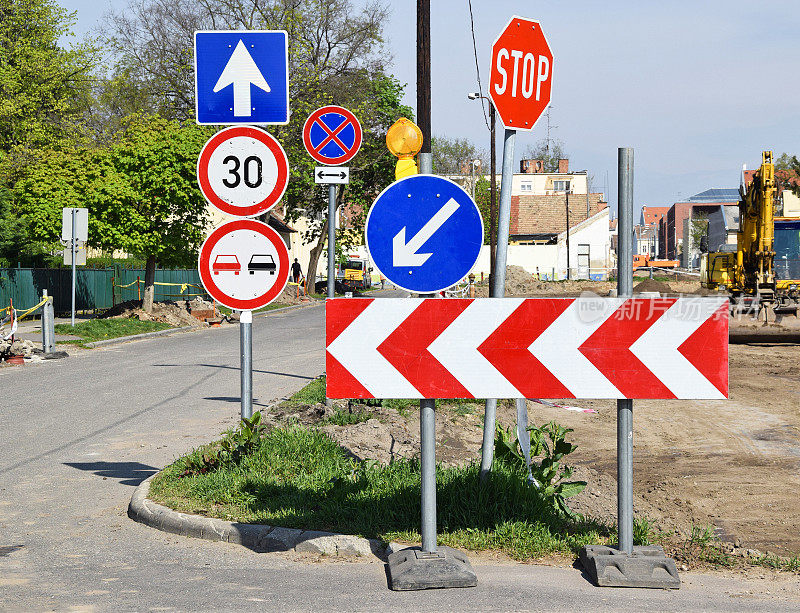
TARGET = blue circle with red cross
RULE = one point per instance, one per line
(332, 135)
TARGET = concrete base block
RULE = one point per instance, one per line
(414, 569)
(647, 566)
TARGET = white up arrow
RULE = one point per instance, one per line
(241, 71)
(405, 254)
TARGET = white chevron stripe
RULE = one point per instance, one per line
(557, 347)
(356, 348)
(657, 348)
(456, 347)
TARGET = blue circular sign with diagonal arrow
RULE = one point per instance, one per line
(424, 233)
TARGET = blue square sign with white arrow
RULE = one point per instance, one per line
(424, 233)
(241, 76)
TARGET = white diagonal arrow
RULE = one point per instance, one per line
(241, 71)
(657, 348)
(356, 348)
(557, 347)
(405, 254)
(456, 348)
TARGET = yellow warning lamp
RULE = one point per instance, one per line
(404, 140)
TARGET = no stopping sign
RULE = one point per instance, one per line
(243, 171)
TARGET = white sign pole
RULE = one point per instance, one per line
(246, 345)
(73, 245)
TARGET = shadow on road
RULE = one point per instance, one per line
(129, 473)
(235, 399)
(264, 372)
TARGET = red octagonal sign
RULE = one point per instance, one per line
(522, 74)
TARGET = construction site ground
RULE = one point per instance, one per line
(729, 466)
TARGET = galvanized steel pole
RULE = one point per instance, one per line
(499, 284)
(492, 202)
(427, 432)
(331, 240)
(427, 407)
(625, 407)
(246, 346)
(73, 252)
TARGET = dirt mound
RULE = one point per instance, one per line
(519, 282)
(173, 313)
(651, 285)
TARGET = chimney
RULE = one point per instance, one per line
(563, 166)
(530, 167)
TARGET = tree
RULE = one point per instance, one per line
(327, 39)
(141, 192)
(790, 164)
(549, 151)
(452, 156)
(335, 56)
(44, 89)
(376, 101)
(483, 198)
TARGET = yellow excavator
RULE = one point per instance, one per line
(763, 274)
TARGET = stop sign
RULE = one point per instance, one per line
(521, 75)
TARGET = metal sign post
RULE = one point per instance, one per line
(499, 285)
(246, 346)
(625, 407)
(627, 566)
(331, 241)
(520, 84)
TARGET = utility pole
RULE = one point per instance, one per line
(493, 191)
(424, 83)
(566, 201)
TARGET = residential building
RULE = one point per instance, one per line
(673, 226)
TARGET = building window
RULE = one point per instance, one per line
(583, 255)
(561, 186)
(527, 186)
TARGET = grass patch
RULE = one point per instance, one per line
(101, 329)
(322, 489)
(270, 307)
(342, 417)
(312, 393)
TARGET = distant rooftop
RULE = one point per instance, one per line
(716, 195)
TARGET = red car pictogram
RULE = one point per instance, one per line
(226, 262)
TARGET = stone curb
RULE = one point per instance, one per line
(260, 538)
(169, 331)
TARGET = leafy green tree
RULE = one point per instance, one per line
(452, 156)
(44, 88)
(483, 198)
(141, 192)
(548, 151)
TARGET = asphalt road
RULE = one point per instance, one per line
(77, 435)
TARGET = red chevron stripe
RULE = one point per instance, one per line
(710, 339)
(340, 313)
(340, 383)
(507, 348)
(407, 348)
(609, 348)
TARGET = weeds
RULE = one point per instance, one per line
(230, 450)
(549, 476)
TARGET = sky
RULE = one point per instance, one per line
(696, 88)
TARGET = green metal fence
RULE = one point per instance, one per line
(95, 288)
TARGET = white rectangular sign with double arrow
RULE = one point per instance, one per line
(332, 174)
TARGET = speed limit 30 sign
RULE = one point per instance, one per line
(243, 171)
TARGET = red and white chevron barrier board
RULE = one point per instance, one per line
(587, 347)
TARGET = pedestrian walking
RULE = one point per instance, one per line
(297, 271)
